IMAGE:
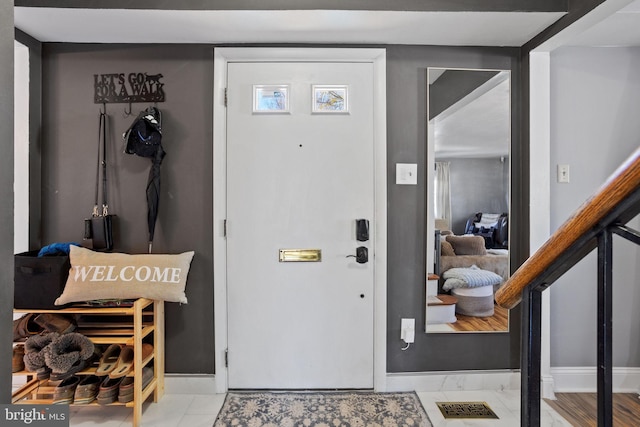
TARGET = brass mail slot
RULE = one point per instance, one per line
(300, 255)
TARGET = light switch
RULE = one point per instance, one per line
(563, 173)
(407, 173)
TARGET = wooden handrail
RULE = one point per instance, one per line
(624, 181)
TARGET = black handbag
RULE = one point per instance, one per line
(99, 228)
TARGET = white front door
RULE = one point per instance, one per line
(299, 180)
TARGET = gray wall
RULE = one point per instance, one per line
(595, 102)
(477, 185)
(430, 354)
(69, 152)
(6, 195)
(407, 207)
(69, 129)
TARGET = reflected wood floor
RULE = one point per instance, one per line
(499, 322)
(581, 409)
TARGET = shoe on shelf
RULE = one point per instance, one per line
(79, 365)
(108, 391)
(17, 361)
(125, 391)
(147, 349)
(87, 390)
(147, 376)
(53, 322)
(124, 364)
(35, 348)
(25, 327)
(109, 360)
(64, 392)
(68, 354)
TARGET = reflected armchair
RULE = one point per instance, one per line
(493, 227)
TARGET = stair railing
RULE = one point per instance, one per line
(590, 227)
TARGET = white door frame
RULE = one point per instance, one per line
(222, 56)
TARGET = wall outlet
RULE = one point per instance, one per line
(408, 330)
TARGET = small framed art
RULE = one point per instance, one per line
(330, 99)
(270, 98)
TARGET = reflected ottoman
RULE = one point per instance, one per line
(476, 302)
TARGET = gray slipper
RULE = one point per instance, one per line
(35, 348)
(67, 350)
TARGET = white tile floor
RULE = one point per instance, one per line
(506, 405)
(189, 410)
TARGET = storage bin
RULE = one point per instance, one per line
(38, 281)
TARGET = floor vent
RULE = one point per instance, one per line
(466, 410)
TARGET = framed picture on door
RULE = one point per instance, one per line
(330, 99)
(270, 98)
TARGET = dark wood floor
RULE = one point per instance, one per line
(580, 409)
(499, 322)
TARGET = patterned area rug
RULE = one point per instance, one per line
(315, 409)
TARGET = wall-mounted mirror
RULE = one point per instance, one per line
(469, 140)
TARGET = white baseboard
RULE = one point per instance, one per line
(454, 381)
(562, 380)
(584, 380)
(547, 387)
(427, 381)
(189, 384)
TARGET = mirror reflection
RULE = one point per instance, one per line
(469, 143)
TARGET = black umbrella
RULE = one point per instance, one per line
(144, 138)
(153, 193)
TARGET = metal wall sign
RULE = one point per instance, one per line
(132, 87)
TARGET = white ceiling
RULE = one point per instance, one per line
(282, 26)
(620, 28)
(75, 25)
(478, 125)
(616, 24)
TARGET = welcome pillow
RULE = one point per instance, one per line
(100, 275)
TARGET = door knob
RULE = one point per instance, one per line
(361, 256)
